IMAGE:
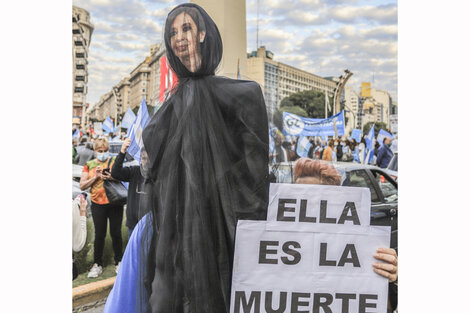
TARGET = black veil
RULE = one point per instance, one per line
(208, 154)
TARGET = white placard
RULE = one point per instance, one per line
(298, 265)
(318, 208)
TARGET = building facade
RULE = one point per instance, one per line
(230, 18)
(279, 80)
(374, 106)
(142, 83)
(82, 29)
(351, 106)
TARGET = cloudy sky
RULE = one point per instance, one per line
(323, 37)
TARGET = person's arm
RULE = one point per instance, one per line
(256, 150)
(118, 171)
(85, 181)
(380, 156)
(79, 231)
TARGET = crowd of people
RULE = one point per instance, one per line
(342, 149)
(99, 166)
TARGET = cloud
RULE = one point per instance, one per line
(319, 36)
(349, 14)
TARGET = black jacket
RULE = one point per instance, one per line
(132, 175)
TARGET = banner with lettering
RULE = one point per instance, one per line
(314, 253)
(294, 125)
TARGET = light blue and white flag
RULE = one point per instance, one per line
(370, 138)
(108, 126)
(303, 146)
(272, 144)
(370, 145)
(135, 132)
(76, 134)
(381, 136)
(128, 119)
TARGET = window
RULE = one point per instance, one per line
(76, 31)
(80, 55)
(359, 178)
(389, 190)
(79, 89)
(80, 66)
(79, 43)
(80, 78)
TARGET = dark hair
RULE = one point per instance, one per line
(211, 47)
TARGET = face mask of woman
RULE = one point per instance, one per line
(102, 156)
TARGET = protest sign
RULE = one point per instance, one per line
(356, 134)
(313, 254)
(295, 125)
(97, 126)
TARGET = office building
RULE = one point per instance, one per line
(82, 30)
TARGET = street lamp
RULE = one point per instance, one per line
(339, 89)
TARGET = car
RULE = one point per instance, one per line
(383, 189)
(392, 168)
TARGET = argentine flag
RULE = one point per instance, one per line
(381, 136)
(135, 132)
(128, 119)
(370, 145)
(108, 126)
(303, 146)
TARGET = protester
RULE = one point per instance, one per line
(74, 149)
(81, 144)
(318, 151)
(385, 153)
(347, 154)
(311, 151)
(338, 150)
(329, 152)
(84, 155)
(133, 175)
(280, 153)
(287, 149)
(79, 206)
(361, 150)
(94, 173)
(208, 154)
(316, 172)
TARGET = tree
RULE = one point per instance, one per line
(277, 116)
(378, 126)
(312, 102)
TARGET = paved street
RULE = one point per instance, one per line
(96, 307)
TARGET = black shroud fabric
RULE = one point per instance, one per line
(208, 153)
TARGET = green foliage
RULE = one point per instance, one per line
(312, 102)
(378, 126)
(294, 110)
